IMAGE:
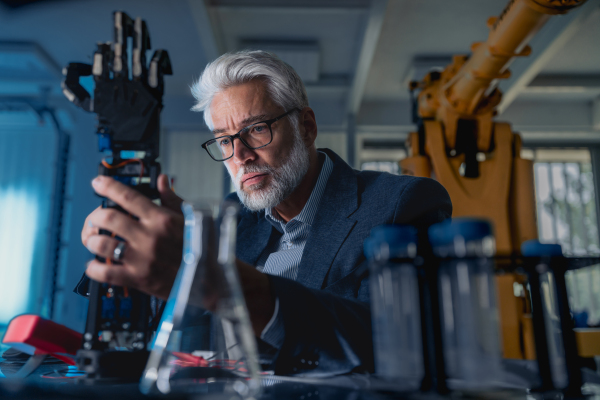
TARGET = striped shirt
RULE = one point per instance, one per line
(283, 254)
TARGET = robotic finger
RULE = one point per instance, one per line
(71, 87)
(122, 30)
(141, 43)
(160, 65)
(102, 56)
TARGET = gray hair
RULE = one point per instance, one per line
(232, 69)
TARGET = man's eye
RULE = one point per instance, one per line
(259, 129)
(224, 142)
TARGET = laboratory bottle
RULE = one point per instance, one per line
(397, 340)
(468, 305)
(542, 254)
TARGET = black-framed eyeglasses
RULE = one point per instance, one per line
(254, 137)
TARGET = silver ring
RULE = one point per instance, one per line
(118, 252)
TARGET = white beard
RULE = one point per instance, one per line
(284, 179)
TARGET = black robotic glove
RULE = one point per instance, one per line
(128, 109)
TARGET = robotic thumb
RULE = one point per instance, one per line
(168, 197)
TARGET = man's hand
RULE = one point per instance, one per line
(154, 247)
(154, 242)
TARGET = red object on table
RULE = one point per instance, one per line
(32, 334)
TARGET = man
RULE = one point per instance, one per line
(305, 216)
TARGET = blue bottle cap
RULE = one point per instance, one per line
(398, 237)
(370, 246)
(444, 232)
(533, 248)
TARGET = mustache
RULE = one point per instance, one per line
(253, 168)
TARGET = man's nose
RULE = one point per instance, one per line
(241, 153)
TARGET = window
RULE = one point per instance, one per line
(19, 213)
(380, 151)
(27, 176)
(566, 208)
(583, 288)
(567, 215)
(384, 166)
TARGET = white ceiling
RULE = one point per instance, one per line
(336, 32)
(194, 31)
(412, 29)
(581, 55)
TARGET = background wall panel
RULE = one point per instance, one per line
(197, 176)
(336, 141)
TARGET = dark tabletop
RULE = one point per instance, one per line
(53, 380)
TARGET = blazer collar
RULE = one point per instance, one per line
(332, 224)
(253, 236)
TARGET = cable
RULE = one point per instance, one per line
(77, 373)
(123, 163)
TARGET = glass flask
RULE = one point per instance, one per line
(205, 342)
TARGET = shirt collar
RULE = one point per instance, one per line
(307, 215)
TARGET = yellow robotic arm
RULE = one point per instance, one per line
(477, 159)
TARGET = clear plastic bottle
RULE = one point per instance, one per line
(543, 252)
(469, 312)
(397, 340)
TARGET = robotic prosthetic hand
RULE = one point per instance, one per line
(128, 110)
(117, 329)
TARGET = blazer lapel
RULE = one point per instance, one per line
(331, 225)
(253, 237)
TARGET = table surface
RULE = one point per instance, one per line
(45, 383)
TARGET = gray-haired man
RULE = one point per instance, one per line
(306, 214)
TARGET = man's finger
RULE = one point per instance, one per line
(104, 246)
(168, 198)
(88, 228)
(130, 199)
(111, 274)
(118, 223)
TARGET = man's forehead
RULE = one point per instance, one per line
(240, 106)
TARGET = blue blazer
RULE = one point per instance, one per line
(325, 312)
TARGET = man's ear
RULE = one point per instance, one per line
(308, 126)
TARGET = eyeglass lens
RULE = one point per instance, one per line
(253, 136)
